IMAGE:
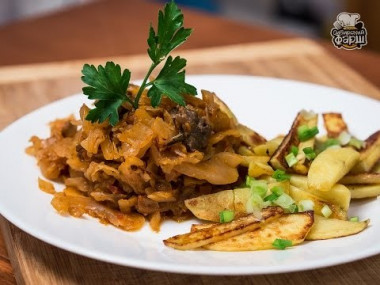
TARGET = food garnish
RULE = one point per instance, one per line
(108, 85)
(282, 243)
(156, 152)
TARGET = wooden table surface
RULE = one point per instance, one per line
(119, 27)
(114, 28)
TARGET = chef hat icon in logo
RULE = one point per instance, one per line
(349, 33)
(346, 20)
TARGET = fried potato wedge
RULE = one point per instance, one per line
(257, 165)
(364, 191)
(224, 231)
(254, 158)
(197, 227)
(241, 197)
(334, 124)
(332, 228)
(339, 194)
(223, 106)
(277, 160)
(208, 207)
(362, 178)
(269, 147)
(376, 168)
(257, 169)
(292, 227)
(299, 195)
(330, 166)
(369, 155)
(249, 136)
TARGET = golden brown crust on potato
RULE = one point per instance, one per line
(293, 227)
(369, 155)
(223, 231)
(334, 124)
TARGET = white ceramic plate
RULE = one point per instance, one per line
(266, 105)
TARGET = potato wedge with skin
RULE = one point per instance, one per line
(302, 166)
(332, 228)
(277, 160)
(334, 124)
(249, 136)
(208, 207)
(223, 106)
(292, 227)
(197, 227)
(369, 155)
(220, 232)
(299, 195)
(362, 178)
(364, 191)
(330, 166)
(339, 194)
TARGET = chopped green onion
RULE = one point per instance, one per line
(257, 201)
(249, 206)
(259, 187)
(335, 146)
(328, 143)
(278, 190)
(293, 208)
(270, 198)
(249, 180)
(344, 138)
(305, 133)
(282, 243)
(358, 144)
(280, 175)
(226, 216)
(284, 201)
(326, 211)
(354, 219)
(266, 204)
(309, 153)
(294, 150)
(305, 205)
(291, 159)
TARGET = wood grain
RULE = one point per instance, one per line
(118, 27)
(35, 262)
(311, 63)
(111, 28)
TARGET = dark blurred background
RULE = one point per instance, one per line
(310, 18)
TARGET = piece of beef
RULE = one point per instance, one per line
(194, 130)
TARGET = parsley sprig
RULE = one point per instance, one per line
(108, 85)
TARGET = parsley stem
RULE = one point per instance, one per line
(129, 101)
(143, 85)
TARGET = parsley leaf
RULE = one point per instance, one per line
(170, 33)
(105, 109)
(108, 85)
(171, 82)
